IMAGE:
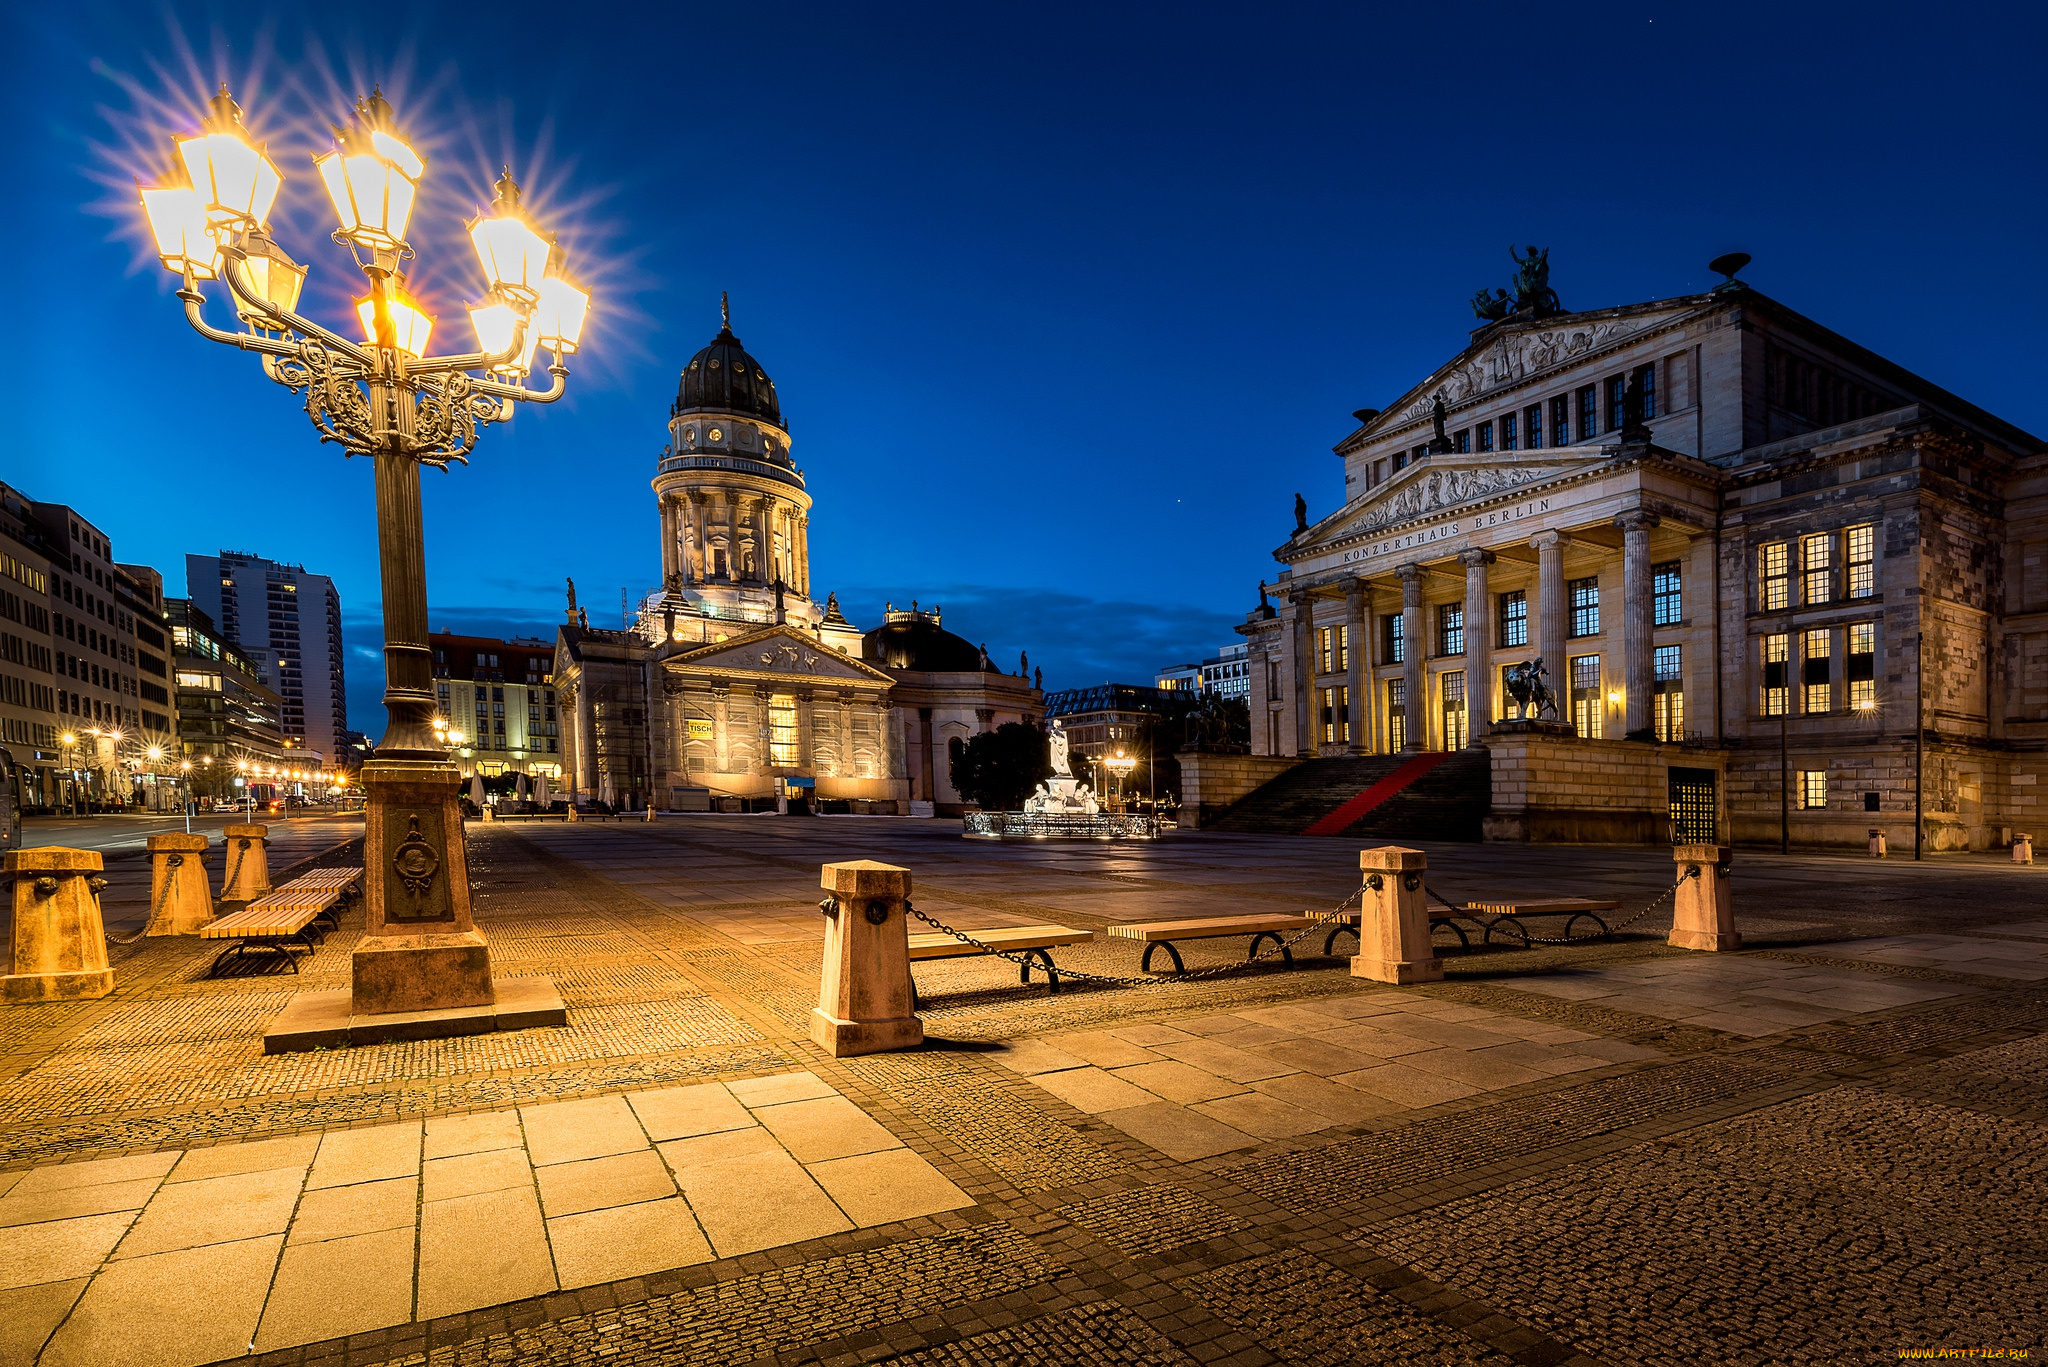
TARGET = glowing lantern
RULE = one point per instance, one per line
(233, 176)
(371, 176)
(495, 322)
(184, 239)
(410, 323)
(273, 276)
(559, 315)
(513, 253)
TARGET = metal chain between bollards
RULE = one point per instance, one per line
(172, 864)
(1611, 931)
(829, 906)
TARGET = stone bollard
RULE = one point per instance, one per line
(1393, 929)
(864, 987)
(572, 813)
(490, 812)
(248, 863)
(1704, 913)
(60, 943)
(2022, 848)
(1877, 845)
(180, 898)
(649, 814)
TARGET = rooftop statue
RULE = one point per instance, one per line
(1531, 295)
(1300, 514)
(1440, 443)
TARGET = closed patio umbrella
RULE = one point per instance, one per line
(540, 792)
(476, 789)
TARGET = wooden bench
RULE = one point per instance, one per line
(1509, 913)
(1159, 935)
(1032, 941)
(286, 920)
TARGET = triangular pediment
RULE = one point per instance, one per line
(776, 652)
(1442, 484)
(1512, 352)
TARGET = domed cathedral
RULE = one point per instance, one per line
(733, 687)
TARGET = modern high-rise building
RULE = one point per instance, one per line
(289, 623)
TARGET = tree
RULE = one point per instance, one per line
(998, 769)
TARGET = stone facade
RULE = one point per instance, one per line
(1799, 545)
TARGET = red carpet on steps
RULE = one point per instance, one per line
(1335, 823)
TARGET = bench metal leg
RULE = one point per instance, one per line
(1286, 954)
(1330, 940)
(1510, 922)
(1605, 933)
(1052, 977)
(1145, 964)
(1464, 943)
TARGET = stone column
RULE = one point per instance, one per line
(700, 521)
(1478, 645)
(1393, 926)
(1638, 617)
(668, 539)
(1411, 657)
(764, 539)
(1703, 913)
(1304, 678)
(925, 768)
(803, 553)
(180, 898)
(1357, 658)
(1551, 623)
(846, 764)
(721, 745)
(246, 875)
(60, 944)
(864, 989)
(586, 739)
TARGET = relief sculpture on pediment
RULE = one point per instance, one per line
(1445, 489)
(1518, 357)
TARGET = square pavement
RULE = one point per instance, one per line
(178, 1258)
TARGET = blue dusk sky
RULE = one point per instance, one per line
(1064, 302)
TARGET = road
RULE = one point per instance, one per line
(130, 834)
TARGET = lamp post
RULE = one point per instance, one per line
(384, 398)
(1119, 765)
(69, 740)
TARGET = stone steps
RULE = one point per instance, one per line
(1447, 803)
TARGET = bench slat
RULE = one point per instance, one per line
(258, 922)
(939, 945)
(1537, 906)
(1207, 928)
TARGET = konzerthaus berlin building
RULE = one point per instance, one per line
(1746, 601)
(734, 684)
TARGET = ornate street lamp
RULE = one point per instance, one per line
(385, 398)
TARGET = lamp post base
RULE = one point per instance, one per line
(421, 950)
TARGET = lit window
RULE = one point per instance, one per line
(1336, 715)
(1514, 618)
(1668, 593)
(1585, 594)
(1588, 709)
(1813, 788)
(1450, 629)
(782, 730)
(1774, 575)
(1397, 714)
(1862, 561)
(1667, 671)
(1817, 677)
(1816, 564)
(1862, 666)
(1777, 687)
(1330, 650)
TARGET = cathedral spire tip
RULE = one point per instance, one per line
(725, 310)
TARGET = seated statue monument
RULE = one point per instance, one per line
(1062, 794)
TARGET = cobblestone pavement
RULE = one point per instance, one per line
(1826, 1148)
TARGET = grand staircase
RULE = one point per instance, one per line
(1436, 795)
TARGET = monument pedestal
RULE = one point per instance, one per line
(60, 944)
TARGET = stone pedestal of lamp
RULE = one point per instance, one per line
(422, 969)
(60, 945)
